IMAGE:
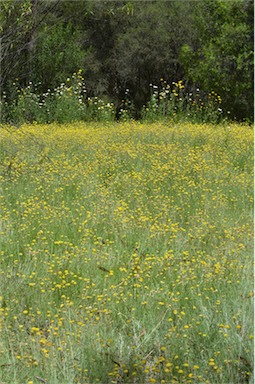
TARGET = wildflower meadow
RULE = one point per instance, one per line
(126, 252)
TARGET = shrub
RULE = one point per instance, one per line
(69, 102)
(64, 104)
(178, 103)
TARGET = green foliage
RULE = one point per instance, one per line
(177, 103)
(125, 45)
(28, 107)
(66, 103)
(149, 47)
(59, 55)
(19, 24)
(69, 102)
(224, 60)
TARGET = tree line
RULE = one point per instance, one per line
(123, 47)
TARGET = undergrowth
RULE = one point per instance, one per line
(70, 102)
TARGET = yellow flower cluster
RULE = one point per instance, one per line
(126, 253)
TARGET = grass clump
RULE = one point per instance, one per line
(126, 253)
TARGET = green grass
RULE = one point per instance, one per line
(126, 254)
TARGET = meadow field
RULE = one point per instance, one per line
(126, 253)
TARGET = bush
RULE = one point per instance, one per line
(69, 102)
(66, 103)
(179, 104)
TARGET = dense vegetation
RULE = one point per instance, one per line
(126, 246)
(126, 254)
(124, 46)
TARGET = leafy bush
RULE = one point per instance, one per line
(178, 103)
(69, 102)
(66, 103)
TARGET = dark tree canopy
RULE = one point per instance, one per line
(130, 44)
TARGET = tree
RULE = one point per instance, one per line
(129, 44)
(19, 24)
(224, 60)
(149, 48)
(57, 54)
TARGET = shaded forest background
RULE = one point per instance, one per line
(124, 46)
